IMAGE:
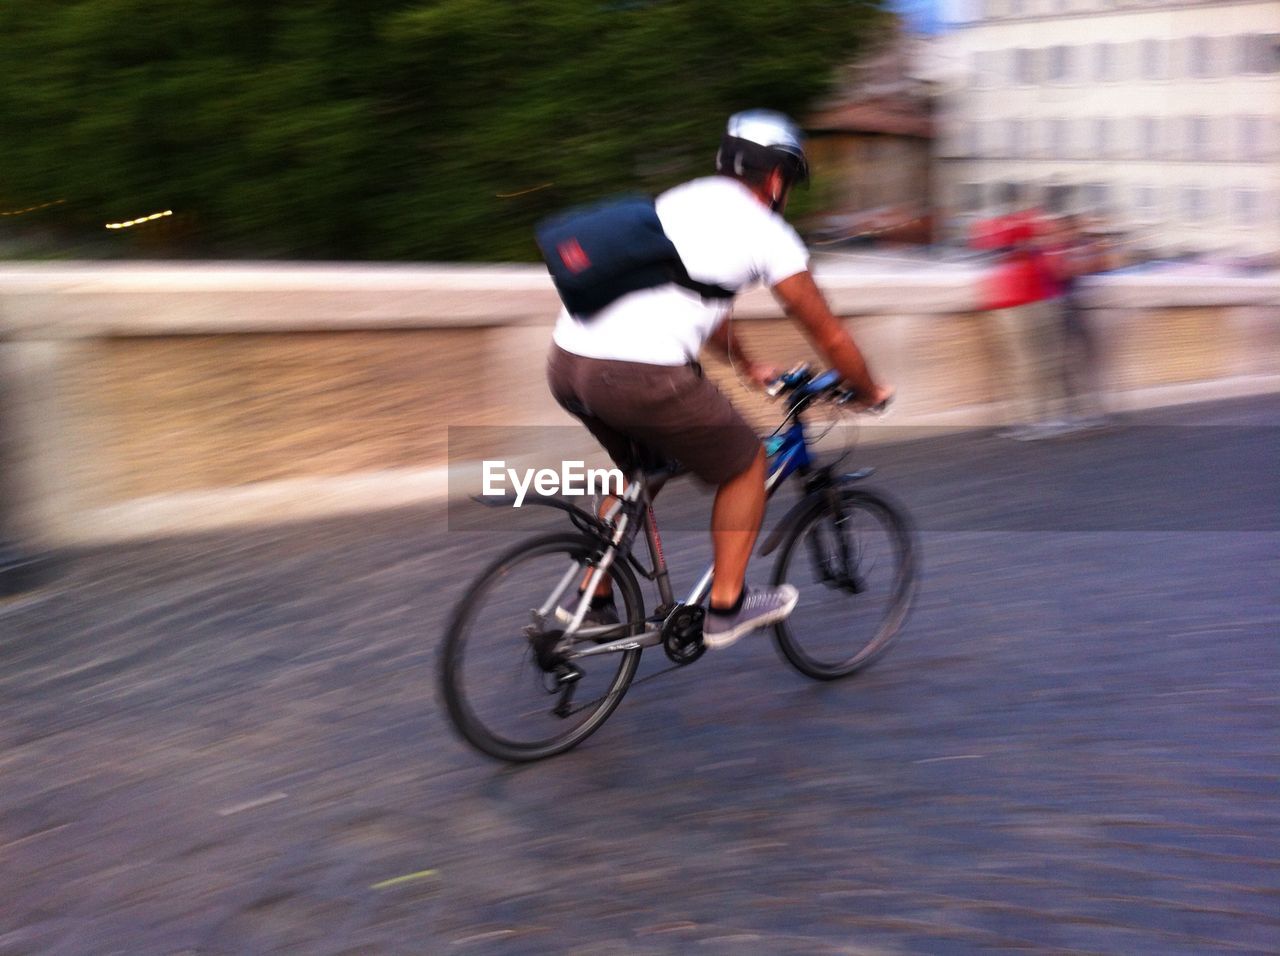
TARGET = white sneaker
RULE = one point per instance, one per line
(760, 608)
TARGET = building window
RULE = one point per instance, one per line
(1195, 203)
(1147, 200)
(1242, 54)
(1129, 61)
(1059, 63)
(1102, 137)
(1015, 137)
(1096, 196)
(1198, 137)
(1219, 55)
(1199, 57)
(1247, 207)
(1102, 61)
(1152, 60)
(1171, 138)
(1259, 53)
(1251, 148)
(1084, 139)
(1190, 57)
(1270, 54)
(1002, 66)
(1149, 141)
(987, 146)
(1059, 139)
(1058, 197)
(972, 140)
(1024, 66)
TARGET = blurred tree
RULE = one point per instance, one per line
(436, 129)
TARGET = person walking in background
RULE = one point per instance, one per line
(1072, 255)
(1017, 294)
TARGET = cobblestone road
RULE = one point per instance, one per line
(232, 743)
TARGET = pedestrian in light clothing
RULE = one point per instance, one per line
(1074, 255)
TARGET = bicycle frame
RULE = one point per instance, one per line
(788, 453)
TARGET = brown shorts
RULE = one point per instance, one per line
(670, 410)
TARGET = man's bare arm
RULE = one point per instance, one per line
(728, 346)
(803, 301)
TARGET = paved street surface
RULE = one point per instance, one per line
(233, 743)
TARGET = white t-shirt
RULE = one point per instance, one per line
(726, 237)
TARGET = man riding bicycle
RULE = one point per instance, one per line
(629, 371)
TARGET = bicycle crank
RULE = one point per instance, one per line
(682, 634)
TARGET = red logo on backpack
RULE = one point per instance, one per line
(573, 256)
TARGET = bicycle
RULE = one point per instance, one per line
(854, 540)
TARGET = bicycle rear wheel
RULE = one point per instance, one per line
(497, 687)
(853, 559)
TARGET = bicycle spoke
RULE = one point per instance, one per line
(505, 697)
(855, 586)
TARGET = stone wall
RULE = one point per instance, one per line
(152, 400)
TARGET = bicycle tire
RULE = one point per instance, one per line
(469, 626)
(815, 530)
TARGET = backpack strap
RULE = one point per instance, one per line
(680, 276)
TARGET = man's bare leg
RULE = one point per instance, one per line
(735, 524)
(604, 588)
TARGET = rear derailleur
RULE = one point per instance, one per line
(559, 676)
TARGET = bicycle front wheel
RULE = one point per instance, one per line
(500, 689)
(853, 559)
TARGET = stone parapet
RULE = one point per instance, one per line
(151, 399)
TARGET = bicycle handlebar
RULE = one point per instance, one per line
(805, 385)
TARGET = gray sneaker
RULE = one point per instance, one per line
(760, 608)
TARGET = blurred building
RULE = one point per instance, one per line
(1164, 117)
(871, 147)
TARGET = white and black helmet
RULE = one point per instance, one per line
(757, 141)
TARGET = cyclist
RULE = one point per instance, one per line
(630, 371)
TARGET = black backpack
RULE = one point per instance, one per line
(599, 253)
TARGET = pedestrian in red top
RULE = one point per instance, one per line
(1018, 293)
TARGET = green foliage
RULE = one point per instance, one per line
(437, 129)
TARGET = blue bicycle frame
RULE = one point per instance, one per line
(787, 451)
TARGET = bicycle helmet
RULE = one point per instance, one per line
(758, 141)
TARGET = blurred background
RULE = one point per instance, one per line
(393, 130)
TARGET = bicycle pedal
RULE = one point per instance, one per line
(568, 674)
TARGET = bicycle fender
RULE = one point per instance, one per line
(547, 501)
(810, 500)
